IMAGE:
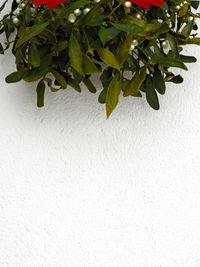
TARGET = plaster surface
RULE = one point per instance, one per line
(77, 190)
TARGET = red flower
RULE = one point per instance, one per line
(143, 3)
(146, 3)
(49, 3)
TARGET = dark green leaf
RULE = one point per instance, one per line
(34, 56)
(158, 80)
(128, 28)
(151, 95)
(14, 77)
(188, 59)
(173, 44)
(195, 4)
(73, 84)
(31, 32)
(89, 85)
(169, 62)
(176, 79)
(102, 96)
(40, 93)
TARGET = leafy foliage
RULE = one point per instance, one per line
(48, 48)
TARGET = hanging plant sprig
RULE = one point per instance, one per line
(62, 44)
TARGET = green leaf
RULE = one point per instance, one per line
(108, 57)
(188, 59)
(31, 32)
(97, 20)
(127, 27)
(112, 33)
(73, 84)
(89, 66)
(34, 75)
(151, 95)
(27, 14)
(102, 96)
(112, 97)
(19, 56)
(195, 4)
(183, 11)
(14, 77)
(195, 40)
(125, 49)
(158, 81)
(40, 93)
(133, 86)
(89, 85)
(62, 45)
(103, 34)
(75, 54)
(77, 76)
(173, 43)
(49, 82)
(61, 80)
(105, 78)
(155, 27)
(169, 62)
(176, 79)
(188, 28)
(34, 56)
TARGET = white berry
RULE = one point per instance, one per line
(128, 4)
(138, 16)
(15, 20)
(72, 18)
(86, 10)
(77, 12)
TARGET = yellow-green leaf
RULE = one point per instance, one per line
(89, 66)
(61, 80)
(134, 85)
(76, 55)
(124, 49)
(112, 97)
(183, 11)
(108, 57)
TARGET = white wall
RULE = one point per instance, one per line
(77, 190)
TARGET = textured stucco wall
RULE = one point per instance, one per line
(77, 190)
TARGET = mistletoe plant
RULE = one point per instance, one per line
(131, 44)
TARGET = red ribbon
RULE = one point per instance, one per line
(143, 3)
